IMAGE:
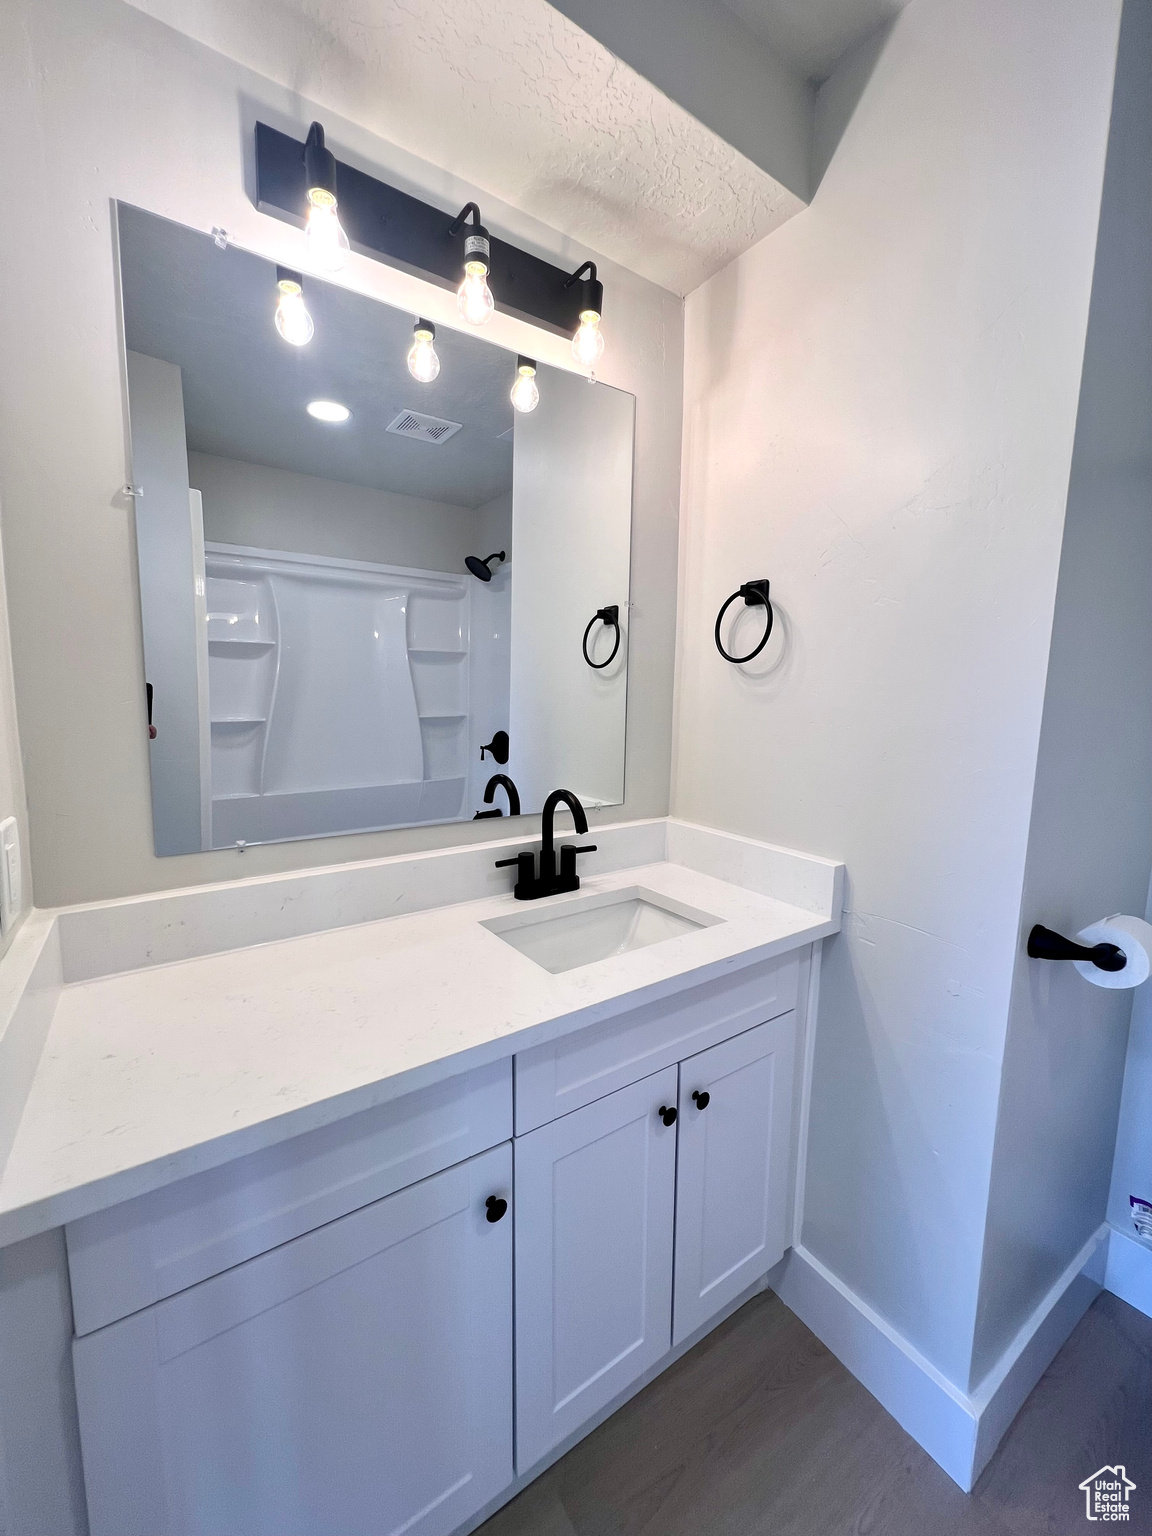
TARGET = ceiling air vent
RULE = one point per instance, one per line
(425, 429)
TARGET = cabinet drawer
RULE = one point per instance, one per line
(145, 1249)
(553, 1079)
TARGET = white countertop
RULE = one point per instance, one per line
(155, 1073)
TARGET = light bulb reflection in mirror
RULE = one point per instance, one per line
(293, 321)
(525, 394)
(423, 363)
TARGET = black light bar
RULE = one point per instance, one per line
(384, 222)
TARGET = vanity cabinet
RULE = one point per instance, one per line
(356, 1380)
(642, 1215)
(325, 1335)
(595, 1196)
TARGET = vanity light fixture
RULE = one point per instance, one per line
(423, 363)
(292, 318)
(474, 300)
(327, 242)
(525, 394)
(588, 342)
(415, 236)
(328, 410)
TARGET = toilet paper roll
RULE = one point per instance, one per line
(1131, 934)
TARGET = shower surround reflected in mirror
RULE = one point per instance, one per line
(324, 651)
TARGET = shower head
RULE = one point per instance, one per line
(482, 569)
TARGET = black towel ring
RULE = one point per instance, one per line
(755, 594)
(609, 615)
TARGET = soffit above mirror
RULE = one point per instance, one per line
(526, 106)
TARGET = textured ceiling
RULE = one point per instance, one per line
(810, 35)
(210, 312)
(513, 97)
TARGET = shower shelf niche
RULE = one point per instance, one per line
(338, 694)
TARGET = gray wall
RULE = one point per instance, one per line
(275, 509)
(105, 102)
(1090, 841)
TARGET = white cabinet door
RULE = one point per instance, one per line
(732, 1170)
(594, 1212)
(355, 1380)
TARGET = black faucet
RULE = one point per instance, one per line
(490, 795)
(530, 886)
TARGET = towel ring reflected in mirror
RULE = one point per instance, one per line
(606, 616)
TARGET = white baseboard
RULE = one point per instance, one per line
(960, 1430)
(1129, 1271)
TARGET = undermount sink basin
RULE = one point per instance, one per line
(597, 927)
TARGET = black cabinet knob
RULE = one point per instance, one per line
(701, 1098)
(495, 1207)
(667, 1115)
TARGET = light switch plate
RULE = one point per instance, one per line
(11, 884)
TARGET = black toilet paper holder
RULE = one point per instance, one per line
(1045, 944)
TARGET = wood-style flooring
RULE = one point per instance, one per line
(759, 1431)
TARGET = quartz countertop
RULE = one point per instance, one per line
(152, 1074)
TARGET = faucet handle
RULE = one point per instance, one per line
(525, 887)
(568, 852)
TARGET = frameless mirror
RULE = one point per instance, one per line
(362, 594)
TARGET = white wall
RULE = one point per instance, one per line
(491, 648)
(879, 417)
(41, 1480)
(106, 102)
(1127, 418)
(275, 509)
(12, 798)
(570, 545)
(165, 547)
(1090, 843)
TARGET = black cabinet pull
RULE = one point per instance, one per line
(701, 1098)
(495, 1208)
(667, 1115)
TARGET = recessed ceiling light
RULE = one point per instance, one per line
(328, 410)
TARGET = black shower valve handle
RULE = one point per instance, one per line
(499, 747)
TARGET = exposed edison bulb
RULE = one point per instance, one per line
(588, 342)
(292, 318)
(525, 394)
(475, 301)
(423, 363)
(323, 232)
